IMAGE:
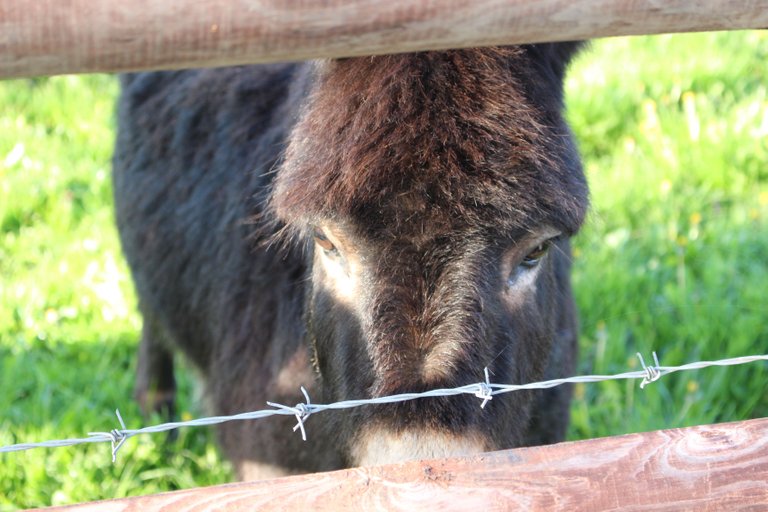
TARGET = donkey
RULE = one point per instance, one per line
(362, 227)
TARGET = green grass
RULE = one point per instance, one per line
(68, 325)
(674, 258)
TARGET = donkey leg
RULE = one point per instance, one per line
(155, 388)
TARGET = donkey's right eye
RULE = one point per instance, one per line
(325, 244)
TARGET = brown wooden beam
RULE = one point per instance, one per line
(711, 467)
(46, 37)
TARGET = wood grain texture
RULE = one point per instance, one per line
(712, 467)
(45, 37)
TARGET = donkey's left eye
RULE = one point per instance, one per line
(534, 257)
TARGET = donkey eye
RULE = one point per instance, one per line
(323, 242)
(522, 274)
(534, 257)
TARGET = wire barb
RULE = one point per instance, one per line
(301, 411)
(115, 436)
(484, 391)
(652, 373)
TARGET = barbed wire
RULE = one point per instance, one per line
(484, 390)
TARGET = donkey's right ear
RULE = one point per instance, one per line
(557, 56)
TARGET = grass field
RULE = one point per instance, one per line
(674, 258)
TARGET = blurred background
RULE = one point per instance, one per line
(673, 259)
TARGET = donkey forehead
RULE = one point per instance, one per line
(420, 194)
(438, 141)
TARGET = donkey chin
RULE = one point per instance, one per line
(377, 445)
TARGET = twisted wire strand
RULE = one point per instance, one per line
(484, 390)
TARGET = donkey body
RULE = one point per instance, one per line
(362, 227)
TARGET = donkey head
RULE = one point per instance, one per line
(436, 193)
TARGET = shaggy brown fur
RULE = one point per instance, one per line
(448, 138)
(432, 179)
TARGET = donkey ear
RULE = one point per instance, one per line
(555, 57)
(567, 50)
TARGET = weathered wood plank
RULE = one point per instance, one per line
(712, 467)
(44, 37)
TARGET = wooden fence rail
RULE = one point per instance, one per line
(45, 37)
(711, 467)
